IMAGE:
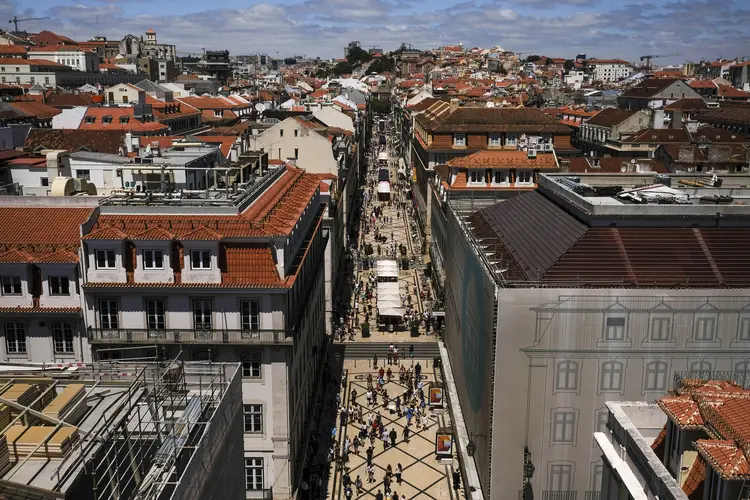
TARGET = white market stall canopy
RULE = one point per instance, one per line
(384, 187)
(383, 157)
(389, 298)
(387, 269)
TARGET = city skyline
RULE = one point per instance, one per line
(322, 27)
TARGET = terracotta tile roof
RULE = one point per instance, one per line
(610, 117)
(59, 48)
(116, 113)
(250, 265)
(652, 135)
(61, 100)
(105, 233)
(210, 103)
(59, 257)
(693, 485)
(102, 141)
(153, 234)
(731, 92)
(202, 233)
(34, 109)
(41, 235)
(725, 457)
(702, 84)
(489, 158)
(12, 50)
(682, 410)
(687, 104)
(440, 118)
(47, 37)
(15, 257)
(10, 61)
(40, 310)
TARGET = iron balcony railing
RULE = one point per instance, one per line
(260, 494)
(592, 495)
(559, 495)
(187, 336)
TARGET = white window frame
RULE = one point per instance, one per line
(154, 256)
(611, 371)
(494, 140)
(459, 139)
(473, 177)
(156, 314)
(511, 140)
(701, 367)
(62, 283)
(202, 314)
(102, 259)
(203, 257)
(109, 317)
(15, 337)
(250, 315)
(254, 472)
(62, 337)
(528, 174)
(252, 366)
(252, 416)
(655, 376)
(12, 286)
(502, 173)
(743, 329)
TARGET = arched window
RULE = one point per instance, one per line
(742, 373)
(566, 375)
(656, 376)
(611, 376)
(251, 364)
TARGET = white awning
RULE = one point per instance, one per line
(387, 269)
(398, 312)
(383, 156)
(384, 187)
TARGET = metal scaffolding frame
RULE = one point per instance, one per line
(142, 427)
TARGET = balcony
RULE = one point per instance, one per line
(259, 494)
(592, 495)
(558, 495)
(184, 336)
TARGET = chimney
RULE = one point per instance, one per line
(676, 119)
(686, 154)
(658, 119)
(454, 105)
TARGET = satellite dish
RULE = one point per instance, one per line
(260, 107)
(632, 161)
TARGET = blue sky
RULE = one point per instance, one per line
(699, 29)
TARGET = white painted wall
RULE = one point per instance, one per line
(334, 118)
(315, 153)
(69, 118)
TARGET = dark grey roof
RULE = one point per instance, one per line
(534, 230)
(150, 86)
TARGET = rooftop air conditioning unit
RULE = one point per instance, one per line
(531, 153)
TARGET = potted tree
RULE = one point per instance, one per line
(414, 329)
(365, 330)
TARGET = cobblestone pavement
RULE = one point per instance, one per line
(424, 476)
(398, 228)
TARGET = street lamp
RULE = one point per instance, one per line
(471, 448)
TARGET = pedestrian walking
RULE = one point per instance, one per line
(399, 472)
(379, 495)
(387, 484)
(358, 484)
(395, 355)
(406, 433)
(411, 351)
(370, 451)
(393, 435)
(418, 370)
(389, 357)
(374, 360)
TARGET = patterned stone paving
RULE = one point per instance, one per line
(424, 477)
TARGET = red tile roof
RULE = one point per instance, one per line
(35, 109)
(50, 38)
(10, 61)
(693, 485)
(503, 159)
(33, 234)
(682, 410)
(116, 113)
(12, 50)
(250, 265)
(725, 457)
(59, 48)
(40, 310)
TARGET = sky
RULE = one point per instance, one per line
(698, 29)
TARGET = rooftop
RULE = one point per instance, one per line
(441, 118)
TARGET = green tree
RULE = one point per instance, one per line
(380, 106)
(533, 58)
(357, 56)
(549, 61)
(342, 68)
(569, 64)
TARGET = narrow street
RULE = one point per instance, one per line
(383, 358)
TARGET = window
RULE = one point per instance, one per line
(705, 329)
(656, 376)
(107, 119)
(440, 158)
(124, 119)
(700, 369)
(499, 176)
(203, 356)
(600, 420)
(296, 152)
(153, 259)
(250, 310)
(105, 259)
(31, 80)
(83, 174)
(90, 119)
(614, 328)
(62, 337)
(44, 181)
(253, 415)
(296, 132)
(742, 373)
(15, 337)
(560, 477)
(155, 317)
(3, 79)
(200, 259)
(108, 314)
(524, 176)
(124, 99)
(494, 140)
(596, 477)
(254, 473)
(59, 285)
(566, 376)
(281, 132)
(202, 314)
(11, 285)
(459, 140)
(473, 176)
(661, 329)
(611, 376)
(18, 70)
(251, 365)
(510, 140)
(563, 426)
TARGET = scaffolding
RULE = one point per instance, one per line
(142, 425)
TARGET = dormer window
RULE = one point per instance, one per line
(494, 140)
(200, 259)
(59, 285)
(90, 119)
(124, 119)
(106, 119)
(11, 285)
(459, 140)
(105, 259)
